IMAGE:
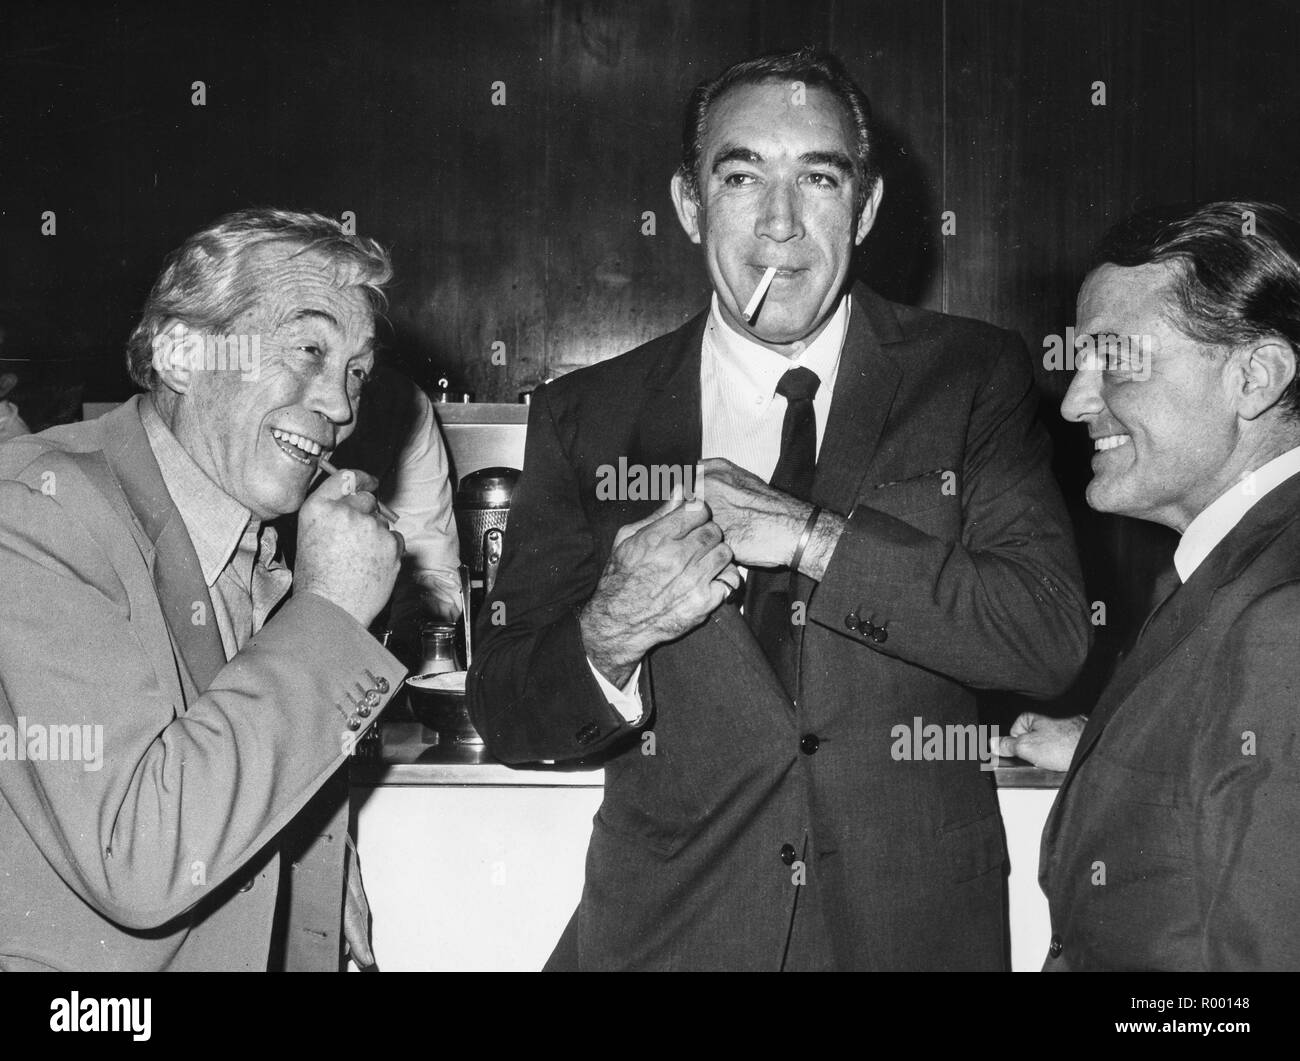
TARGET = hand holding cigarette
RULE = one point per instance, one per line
(383, 509)
(345, 554)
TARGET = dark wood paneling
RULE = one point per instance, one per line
(619, 74)
(895, 51)
(1035, 172)
(1247, 93)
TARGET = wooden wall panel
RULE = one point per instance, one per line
(1247, 98)
(1035, 172)
(619, 74)
(896, 53)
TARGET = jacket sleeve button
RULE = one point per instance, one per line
(788, 854)
(587, 734)
(1055, 947)
(851, 620)
(879, 635)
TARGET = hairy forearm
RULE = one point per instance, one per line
(614, 656)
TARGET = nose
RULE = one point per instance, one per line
(1083, 401)
(329, 397)
(781, 215)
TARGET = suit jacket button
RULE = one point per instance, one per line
(788, 854)
(851, 620)
(809, 743)
(1055, 947)
(587, 734)
(879, 635)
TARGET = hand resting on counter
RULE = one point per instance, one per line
(1043, 741)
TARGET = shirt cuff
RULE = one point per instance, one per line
(626, 701)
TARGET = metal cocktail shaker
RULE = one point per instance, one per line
(482, 504)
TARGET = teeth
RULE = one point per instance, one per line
(1111, 442)
(304, 444)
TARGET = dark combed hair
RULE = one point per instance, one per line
(812, 67)
(1236, 267)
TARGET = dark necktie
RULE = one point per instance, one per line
(768, 597)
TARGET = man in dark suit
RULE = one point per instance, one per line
(758, 813)
(143, 623)
(1174, 842)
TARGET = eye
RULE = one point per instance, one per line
(737, 180)
(824, 180)
(310, 348)
(360, 375)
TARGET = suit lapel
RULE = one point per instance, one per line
(864, 393)
(1190, 604)
(176, 572)
(668, 428)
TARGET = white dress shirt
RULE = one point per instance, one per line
(1214, 521)
(418, 490)
(741, 416)
(237, 553)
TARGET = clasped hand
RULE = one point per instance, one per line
(761, 525)
(667, 573)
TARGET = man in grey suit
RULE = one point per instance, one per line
(143, 622)
(878, 473)
(1174, 842)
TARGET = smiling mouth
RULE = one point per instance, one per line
(1108, 442)
(297, 447)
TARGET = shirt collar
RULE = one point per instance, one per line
(215, 521)
(1213, 523)
(761, 368)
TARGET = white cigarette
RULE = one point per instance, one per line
(759, 292)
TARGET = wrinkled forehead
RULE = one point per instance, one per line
(289, 285)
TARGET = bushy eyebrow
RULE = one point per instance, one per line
(736, 154)
(833, 159)
(314, 314)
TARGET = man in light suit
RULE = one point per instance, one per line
(166, 717)
(1174, 842)
(756, 815)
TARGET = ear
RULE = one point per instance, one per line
(687, 207)
(1264, 372)
(174, 357)
(868, 216)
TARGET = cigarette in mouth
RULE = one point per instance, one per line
(759, 292)
(384, 510)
